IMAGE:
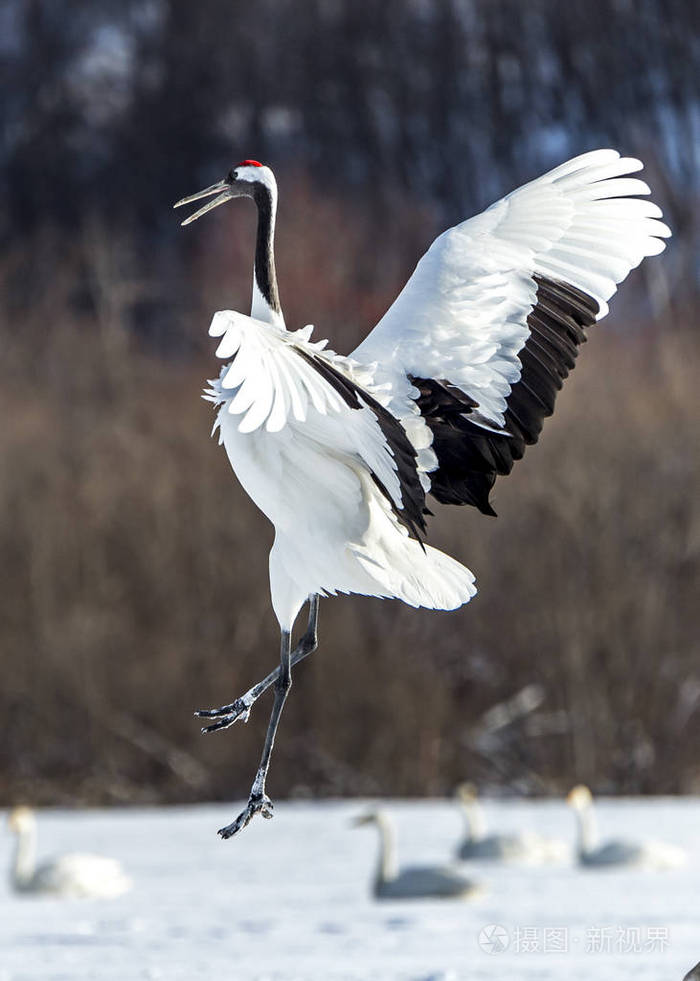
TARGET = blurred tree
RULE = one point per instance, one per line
(371, 94)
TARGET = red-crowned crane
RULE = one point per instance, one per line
(441, 398)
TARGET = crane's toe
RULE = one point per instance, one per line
(226, 715)
(257, 804)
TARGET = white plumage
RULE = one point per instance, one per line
(591, 854)
(478, 844)
(335, 530)
(77, 875)
(463, 313)
(414, 881)
(441, 397)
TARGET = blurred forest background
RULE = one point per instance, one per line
(133, 569)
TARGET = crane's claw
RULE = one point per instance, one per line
(227, 714)
(257, 804)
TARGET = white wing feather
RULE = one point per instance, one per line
(268, 384)
(462, 315)
(267, 378)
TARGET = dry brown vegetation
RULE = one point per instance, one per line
(134, 570)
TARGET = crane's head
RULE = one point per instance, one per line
(248, 179)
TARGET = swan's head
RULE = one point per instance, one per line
(371, 817)
(579, 798)
(467, 793)
(248, 179)
(378, 817)
(21, 819)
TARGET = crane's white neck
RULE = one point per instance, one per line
(387, 867)
(474, 819)
(266, 301)
(25, 857)
(587, 829)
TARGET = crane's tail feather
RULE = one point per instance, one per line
(418, 575)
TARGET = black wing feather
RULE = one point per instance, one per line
(411, 515)
(471, 457)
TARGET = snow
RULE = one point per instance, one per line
(289, 899)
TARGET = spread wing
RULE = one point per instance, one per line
(489, 324)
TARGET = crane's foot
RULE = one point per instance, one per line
(228, 714)
(240, 708)
(257, 804)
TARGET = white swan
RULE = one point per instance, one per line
(414, 882)
(657, 854)
(73, 875)
(523, 846)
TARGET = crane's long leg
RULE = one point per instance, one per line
(259, 802)
(240, 709)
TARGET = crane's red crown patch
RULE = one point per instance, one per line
(249, 163)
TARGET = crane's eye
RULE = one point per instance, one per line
(232, 175)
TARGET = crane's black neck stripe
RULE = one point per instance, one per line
(412, 494)
(265, 275)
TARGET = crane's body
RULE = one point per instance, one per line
(441, 397)
(319, 458)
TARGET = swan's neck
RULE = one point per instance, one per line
(474, 818)
(587, 830)
(25, 858)
(266, 300)
(387, 867)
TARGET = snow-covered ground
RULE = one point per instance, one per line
(290, 899)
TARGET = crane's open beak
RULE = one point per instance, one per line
(225, 189)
